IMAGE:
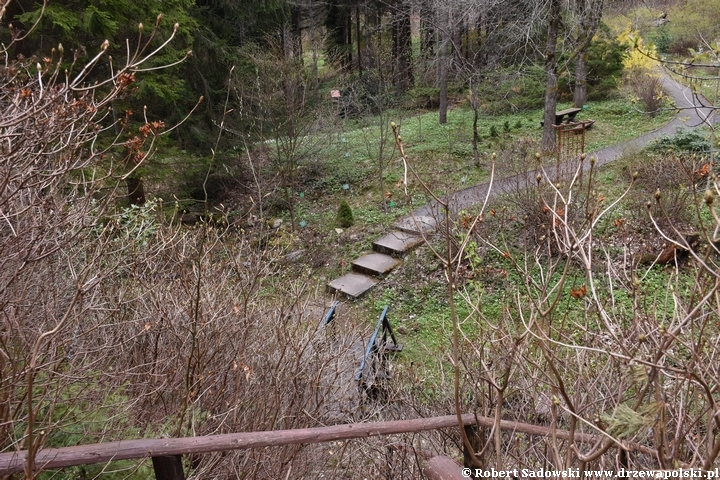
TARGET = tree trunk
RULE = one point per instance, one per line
(476, 135)
(551, 82)
(313, 43)
(402, 47)
(481, 28)
(427, 31)
(456, 35)
(466, 41)
(381, 154)
(444, 68)
(580, 94)
(590, 13)
(368, 59)
(347, 46)
(337, 24)
(296, 33)
(358, 36)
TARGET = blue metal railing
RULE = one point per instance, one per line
(330, 316)
(374, 358)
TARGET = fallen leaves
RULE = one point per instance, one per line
(703, 171)
(578, 292)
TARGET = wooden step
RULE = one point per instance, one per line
(417, 225)
(353, 285)
(377, 264)
(397, 243)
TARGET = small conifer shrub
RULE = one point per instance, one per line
(344, 215)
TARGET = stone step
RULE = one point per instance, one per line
(397, 243)
(417, 225)
(353, 285)
(377, 264)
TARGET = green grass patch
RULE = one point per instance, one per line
(620, 120)
(443, 154)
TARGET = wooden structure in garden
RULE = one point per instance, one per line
(571, 139)
(570, 143)
(170, 449)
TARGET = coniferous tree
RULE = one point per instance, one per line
(402, 43)
(338, 24)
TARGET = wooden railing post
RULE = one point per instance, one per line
(168, 467)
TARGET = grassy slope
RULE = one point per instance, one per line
(443, 156)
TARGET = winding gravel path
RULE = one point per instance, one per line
(690, 114)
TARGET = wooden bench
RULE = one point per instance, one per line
(570, 112)
(560, 116)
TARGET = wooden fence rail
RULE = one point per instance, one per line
(46, 458)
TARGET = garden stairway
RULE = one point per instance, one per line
(691, 113)
(369, 269)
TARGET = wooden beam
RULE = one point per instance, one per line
(13, 462)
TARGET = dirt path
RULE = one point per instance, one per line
(690, 115)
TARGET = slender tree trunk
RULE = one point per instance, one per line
(466, 41)
(580, 94)
(456, 35)
(443, 88)
(481, 28)
(287, 42)
(368, 58)
(296, 33)
(358, 36)
(444, 65)
(402, 47)
(476, 136)
(394, 35)
(381, 153)
(589, 13)
(289, 144)
(314, 46)
(348, 40)
(379, 42)
(551, 81)
(427, 31)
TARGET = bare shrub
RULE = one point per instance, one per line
(673, 176)
(647, 88)
(610, 363)
(54, 137)
(532, 195)
(115, 324)
(584, 347)
(213, 338)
